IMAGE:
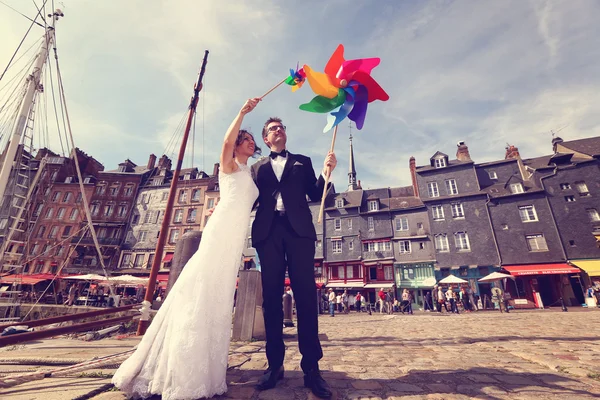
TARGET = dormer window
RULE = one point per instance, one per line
(516, 188)
(122, 168)
(439, 162)
(373, 205)
(493, 175)
(339, 203)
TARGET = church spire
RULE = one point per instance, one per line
(352, 170)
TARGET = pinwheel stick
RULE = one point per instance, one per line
(273, 88)
(327, 178)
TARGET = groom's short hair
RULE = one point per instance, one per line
(265, 131)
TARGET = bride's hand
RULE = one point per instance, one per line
(249, 105)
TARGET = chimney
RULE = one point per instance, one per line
(555, 142)
(511, 152)
(359, 186)
(151, 161)
(164, 163)
(413, 174)
(216, 169)
(462, 153)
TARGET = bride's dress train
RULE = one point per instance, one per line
(184, 353)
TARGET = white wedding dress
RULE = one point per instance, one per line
(184, 353)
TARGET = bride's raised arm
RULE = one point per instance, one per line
(228, 165)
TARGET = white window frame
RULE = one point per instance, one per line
(371, 223)
(178, 217)
(441, 243)
(565, 186)
(582, 188)
(401, 224)
(60, 214)
(516, 188)
(461, 241)
(437, 212)
(339, 203)
(349, 223)
(74, 213)
(439, 162)
(451, 187)
(373, 205)
(351, 245)
(341, 272)
(404, 247)
(528, 213)
(492, 175)
(173, 235)
(337, 224)
(349, 272)
(593, 214)
(570, 199)
(143, 236)
(336, 246)
(388, 272)
(457, 210)
(432, 189)
(536, 243)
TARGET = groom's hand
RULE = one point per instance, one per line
(329, 164)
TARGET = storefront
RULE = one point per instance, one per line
(472, 274)
(419, 279)
(591, 280)
(545, 284)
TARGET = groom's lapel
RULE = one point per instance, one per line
(266, 165)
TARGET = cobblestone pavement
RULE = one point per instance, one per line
(521, 355)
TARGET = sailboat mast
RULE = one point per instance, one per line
(162, 236)
(33, 85)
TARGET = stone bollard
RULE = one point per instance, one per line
(185, 249)
(287, 311)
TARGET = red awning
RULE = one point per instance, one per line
(168, 258)
(162, 277)
(24, 280)
(247, 259)
(541, 269)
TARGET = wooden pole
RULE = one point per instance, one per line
(164, 229)
(273, 88)
(327, 178)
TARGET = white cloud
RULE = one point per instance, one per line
(484, 72)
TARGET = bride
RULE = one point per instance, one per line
(184, 353)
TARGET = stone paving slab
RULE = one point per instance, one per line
(522, 355)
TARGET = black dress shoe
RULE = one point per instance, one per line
(270, 378)
(317, 385)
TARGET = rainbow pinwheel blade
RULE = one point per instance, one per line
(335, 62)
(359, 111)
(375, 91)
(365, 65)
(320, 83)
(320, 104)
(338, 114)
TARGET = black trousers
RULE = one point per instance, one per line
(284, 248)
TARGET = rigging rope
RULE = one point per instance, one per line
(33, 21)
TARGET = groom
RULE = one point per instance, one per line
(284, 236)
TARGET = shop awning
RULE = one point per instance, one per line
(24, 280)
(591, 267)
(378, 285)
(162, 277)
(248, 259)
(168, 258)
(540, 269)
(345, 285)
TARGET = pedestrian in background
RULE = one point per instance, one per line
(358, 301)
(331, 302)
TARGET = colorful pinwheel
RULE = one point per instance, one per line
(344, 89)
(295, 79)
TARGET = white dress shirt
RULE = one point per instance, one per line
(278, 164)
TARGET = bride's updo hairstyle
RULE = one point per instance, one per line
(240, 139)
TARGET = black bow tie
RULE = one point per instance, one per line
(275, 154)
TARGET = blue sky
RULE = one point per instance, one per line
(486, 72)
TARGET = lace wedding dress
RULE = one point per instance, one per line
(183, 354)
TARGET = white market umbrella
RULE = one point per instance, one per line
(452, 279)
(495, 276)
(87, 277)
(128, 279)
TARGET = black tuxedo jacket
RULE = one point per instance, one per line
(297, 181)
